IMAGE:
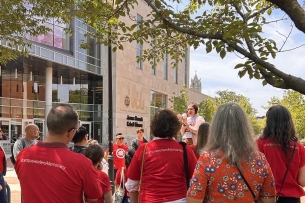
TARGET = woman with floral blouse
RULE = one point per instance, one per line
(230, 156)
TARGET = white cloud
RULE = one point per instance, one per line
(219, 74)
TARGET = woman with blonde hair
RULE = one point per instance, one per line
(231, 169)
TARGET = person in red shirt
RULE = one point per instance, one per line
(119, 150)
(139, 140)
(3, 194)
(50, 172)
(96, 154)
(279, 143)
(164, 175)
(128, 157)
(231, 169)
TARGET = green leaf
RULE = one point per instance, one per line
(257, 75)
(222, 53)
(264, 82)
(239, 65)
(242, 73)
(208, 47)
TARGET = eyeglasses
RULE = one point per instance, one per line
(73, 129)
(191, 109)
(121, 138)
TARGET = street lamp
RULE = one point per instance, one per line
(110, 113)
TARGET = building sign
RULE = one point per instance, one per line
(136, 103)
(131, 121)
(127, 101)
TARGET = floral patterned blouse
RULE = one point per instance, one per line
(217, 180)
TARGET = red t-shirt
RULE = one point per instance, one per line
(118, 179)
(278, 163)
(50, 172)
(193, 148)
(163, 177)
(119, 155)
(105, 184)
(2, 159)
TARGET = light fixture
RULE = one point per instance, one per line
(61, 80)
(31, 76)
(15, 72)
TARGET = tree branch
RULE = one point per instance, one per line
(294, 10)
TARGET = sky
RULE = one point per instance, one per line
(219, 74)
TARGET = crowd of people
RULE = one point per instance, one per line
(217, 162)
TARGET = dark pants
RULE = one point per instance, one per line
(126, 199)
(289, 200)
(3, 194)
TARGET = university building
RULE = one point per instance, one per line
(59, 71)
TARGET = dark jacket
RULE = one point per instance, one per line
(78, 149)
(135, 143)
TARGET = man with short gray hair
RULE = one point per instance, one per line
(50, 172)
(30, 139)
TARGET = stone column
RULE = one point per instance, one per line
(48, 96)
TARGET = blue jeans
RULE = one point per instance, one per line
(126, 199)
(3, 194)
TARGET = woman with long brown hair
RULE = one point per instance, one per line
(284, 153)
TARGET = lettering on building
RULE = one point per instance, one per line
(131, 121)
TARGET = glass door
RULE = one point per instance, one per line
(5, 124)
(87, 125)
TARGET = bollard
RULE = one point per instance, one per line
(8, 192)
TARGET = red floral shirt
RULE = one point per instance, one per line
(217, 180)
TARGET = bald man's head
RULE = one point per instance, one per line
(31, 131)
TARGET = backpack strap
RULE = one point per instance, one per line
(186, 168)
(22, 142)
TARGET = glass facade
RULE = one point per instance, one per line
(22, 93)
(56, 37)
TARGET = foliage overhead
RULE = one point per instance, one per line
(234, 26)
(295, 103)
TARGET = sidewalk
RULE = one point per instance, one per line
(13, 182)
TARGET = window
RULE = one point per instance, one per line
(139, 45)
(56, 37)
(185, 68)
(153, 66)
(176, 73)
(165, 66)
(157, 102)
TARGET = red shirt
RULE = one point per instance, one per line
(163, 177)
(278, 163)
(119, 155)
(2, 159)
(193, 148)
(105, 184)
(51, 172)
(217, 180)
(118, 179)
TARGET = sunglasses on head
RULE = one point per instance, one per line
(121, 138)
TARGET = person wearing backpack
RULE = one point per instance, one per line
(30, 139)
